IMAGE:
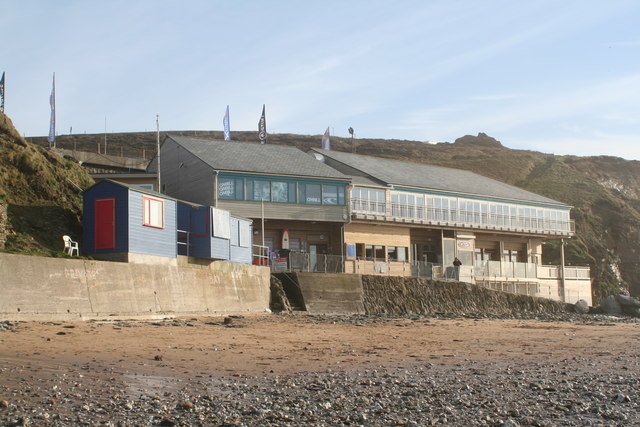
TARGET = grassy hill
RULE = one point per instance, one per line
(42, 194)
(605, 191)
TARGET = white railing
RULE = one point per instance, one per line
(461, 218)
(369, 207)
(570, 272)
(260, 255)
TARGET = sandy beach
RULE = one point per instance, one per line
(196, 370)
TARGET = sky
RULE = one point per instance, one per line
(559, 77)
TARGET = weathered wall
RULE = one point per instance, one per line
(39, 288)
(325, 293)
(397, 296)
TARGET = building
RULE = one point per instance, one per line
(408, 217)
(340, 212)
(123, 222)
(296, 203)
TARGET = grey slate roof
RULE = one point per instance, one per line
(257, 158)
(429, 177)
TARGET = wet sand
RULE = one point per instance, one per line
(105, 363)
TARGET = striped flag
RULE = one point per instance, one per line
(52, 102)
(2, 93)
(262, 127)
(227, 127)
(326, 140)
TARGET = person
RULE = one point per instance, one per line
(456, 268)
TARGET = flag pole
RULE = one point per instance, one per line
(158, 149)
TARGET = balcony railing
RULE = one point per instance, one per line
(461, 218)
(482, 271)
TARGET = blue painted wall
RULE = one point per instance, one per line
(104, 190)
(236, 252)
(151, 240)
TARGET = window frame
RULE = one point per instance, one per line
(146, 212)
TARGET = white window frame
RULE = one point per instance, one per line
(152, 212)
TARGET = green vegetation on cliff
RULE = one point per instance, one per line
(42, 192)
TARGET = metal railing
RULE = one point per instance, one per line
(260, 255)
(184, 242)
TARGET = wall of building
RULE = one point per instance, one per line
(40, 288)
(377, 235)
(184, 176)
(145, 239)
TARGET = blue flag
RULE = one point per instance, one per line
(227, 127)
(326, 140)
(262, 127)
(52, 102)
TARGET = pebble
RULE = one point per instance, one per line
(471, 392)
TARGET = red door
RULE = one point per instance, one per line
(105, 224)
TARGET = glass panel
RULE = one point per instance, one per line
(226, 188)
(392, 253)
(279, 191)
(292, 192)
(249, 189)
(314, 194)
(379, 252)
(369, 252)
(239, 188)
(302, 198)
(341, 200)
(402, 253)
(329, 195)
(261, 190)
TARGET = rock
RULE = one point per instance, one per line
(581, 307)
(610, 305)
(627, 301)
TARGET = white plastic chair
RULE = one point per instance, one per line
(70, 246)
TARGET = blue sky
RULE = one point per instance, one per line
(554, 76)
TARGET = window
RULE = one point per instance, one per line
(360, 250)
(313, 194)
(369, 252)
(292, 192)
(329, 194)
(153, 212)
(261, 190)
(397, 253)
(279, 192)
(378, 253)
(231, 188)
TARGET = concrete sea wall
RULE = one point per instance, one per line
(393, 295)
(40, 288)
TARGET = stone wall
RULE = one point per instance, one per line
(401, 296)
